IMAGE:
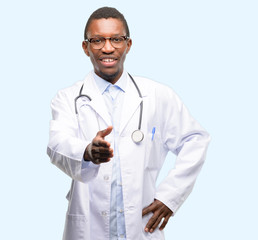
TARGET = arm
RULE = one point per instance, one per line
(189, 141)
(66, 148)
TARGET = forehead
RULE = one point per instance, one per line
(106, 27)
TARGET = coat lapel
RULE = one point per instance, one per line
(131, 103)
(97, 102)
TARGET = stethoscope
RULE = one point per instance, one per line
(137, 135)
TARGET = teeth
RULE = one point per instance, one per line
(108, 60)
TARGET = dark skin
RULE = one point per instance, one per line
(160, 211)
(99, 150)
(111, 27)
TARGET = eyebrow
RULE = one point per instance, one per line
(112, 35)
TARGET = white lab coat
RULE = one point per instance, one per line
(89, 197)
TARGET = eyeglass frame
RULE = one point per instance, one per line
(107, 38)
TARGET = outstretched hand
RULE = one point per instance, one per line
(99, 150)
(159, 210)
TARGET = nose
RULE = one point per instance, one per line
(108, 48)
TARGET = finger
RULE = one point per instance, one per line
(98, 141)
(151, 222)
(102, 150)
(101, 160)
(101, 157)
(164, 223)
(148, 209)
(104, 160)
(156, 223)
(105, 132)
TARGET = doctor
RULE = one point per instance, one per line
(111, 133)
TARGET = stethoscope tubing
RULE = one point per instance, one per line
(137, 133)
(141, 105)
(80, 95)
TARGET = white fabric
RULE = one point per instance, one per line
(89, 196)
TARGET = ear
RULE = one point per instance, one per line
(85, 48)
(129, 44)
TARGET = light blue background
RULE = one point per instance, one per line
(205, 50)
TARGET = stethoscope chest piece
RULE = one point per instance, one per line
(137, 136)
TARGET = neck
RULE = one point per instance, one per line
(112, 78)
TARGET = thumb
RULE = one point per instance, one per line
(105, 132)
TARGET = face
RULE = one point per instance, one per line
(108, 62)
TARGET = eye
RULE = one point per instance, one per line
(96, 40)
(117, 39)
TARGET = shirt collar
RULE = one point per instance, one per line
(103, 84)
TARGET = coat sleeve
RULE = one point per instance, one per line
(183, 136)
(66, 147)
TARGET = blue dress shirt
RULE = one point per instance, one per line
(113, 96)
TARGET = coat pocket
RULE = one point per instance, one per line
(154, 152)
(76, 228)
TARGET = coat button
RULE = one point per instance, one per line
(106, 177)
(104, 213)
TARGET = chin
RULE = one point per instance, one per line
(109, 76)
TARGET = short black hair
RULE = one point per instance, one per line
(106, 12)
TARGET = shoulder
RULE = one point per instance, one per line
(153, 88)
(71, 89)
(74, 90)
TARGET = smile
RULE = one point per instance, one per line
(108, 60)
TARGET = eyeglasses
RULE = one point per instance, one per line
(99, 42)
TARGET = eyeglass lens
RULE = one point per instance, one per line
(99, 42)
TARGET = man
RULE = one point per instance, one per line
(111, 132)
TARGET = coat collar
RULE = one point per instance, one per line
(97, 103)
(131, 100)
(103, 84)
